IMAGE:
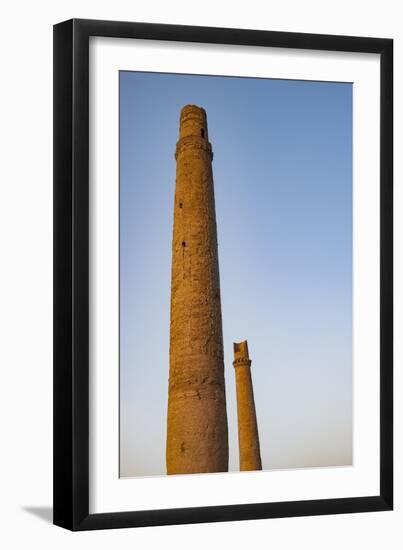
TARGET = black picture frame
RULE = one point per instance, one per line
(71, 274)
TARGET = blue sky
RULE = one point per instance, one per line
(283, 187)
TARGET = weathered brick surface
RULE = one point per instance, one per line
(197, 433)
(248, 436)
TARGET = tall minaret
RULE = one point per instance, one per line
(197, 432)
(248, 435)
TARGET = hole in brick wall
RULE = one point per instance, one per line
(202, 132)
(180, 205)
(183, 243)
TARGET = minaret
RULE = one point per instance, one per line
(248, 436)
(197, 432)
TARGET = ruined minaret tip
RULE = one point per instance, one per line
(248, 435)
(241, 351)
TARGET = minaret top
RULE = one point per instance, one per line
(190, 108)
(193, 122)
(241, 354)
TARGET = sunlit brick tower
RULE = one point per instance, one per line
(197, 432)
(248, 436)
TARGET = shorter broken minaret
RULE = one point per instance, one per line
(249, 448)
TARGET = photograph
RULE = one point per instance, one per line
(223, 274)
(235, 274)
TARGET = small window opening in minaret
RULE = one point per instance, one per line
(183, 243)
(180, 205)
(202, 132)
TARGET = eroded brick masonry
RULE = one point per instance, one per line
(197, 432)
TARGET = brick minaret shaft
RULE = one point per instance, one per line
(197, 432)
(248, 435)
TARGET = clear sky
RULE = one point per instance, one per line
(283, 187)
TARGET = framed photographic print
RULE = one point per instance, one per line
(223, 282)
